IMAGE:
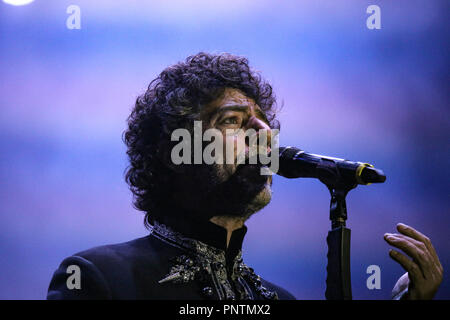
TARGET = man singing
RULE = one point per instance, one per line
(196, 210)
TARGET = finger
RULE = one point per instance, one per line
(407, 264)
(413, 233)
(419, 253)
(415, 242)
(433, 266)
(418, 244)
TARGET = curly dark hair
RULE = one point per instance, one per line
(174, 100)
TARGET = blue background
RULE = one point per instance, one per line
(378, 96)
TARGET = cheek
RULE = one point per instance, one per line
(230, 148)
(235, 143)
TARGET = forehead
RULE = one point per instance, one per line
(230, 97)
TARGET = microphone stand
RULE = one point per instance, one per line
(340, 176)
(338, 269)
(338, 239)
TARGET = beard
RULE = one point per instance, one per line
(205, 191)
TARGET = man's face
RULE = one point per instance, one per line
(229, 189)
(233, 114)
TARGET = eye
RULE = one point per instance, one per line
(230, 120)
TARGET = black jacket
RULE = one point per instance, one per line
(190, 263)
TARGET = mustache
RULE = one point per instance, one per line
(245, 180)
(253, 157)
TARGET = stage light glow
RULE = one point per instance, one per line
(18, 2)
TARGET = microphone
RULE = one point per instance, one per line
(296, 163)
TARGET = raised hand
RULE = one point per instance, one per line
(424, 270)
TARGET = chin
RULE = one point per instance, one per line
(261, 200)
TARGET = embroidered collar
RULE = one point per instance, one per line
(226, 256)
(223, 266)
(204, 237)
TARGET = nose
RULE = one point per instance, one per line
(257, 125)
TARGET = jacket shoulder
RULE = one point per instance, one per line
(116, 252)
(97, 270)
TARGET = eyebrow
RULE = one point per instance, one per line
(232, 108)
(242, 108)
